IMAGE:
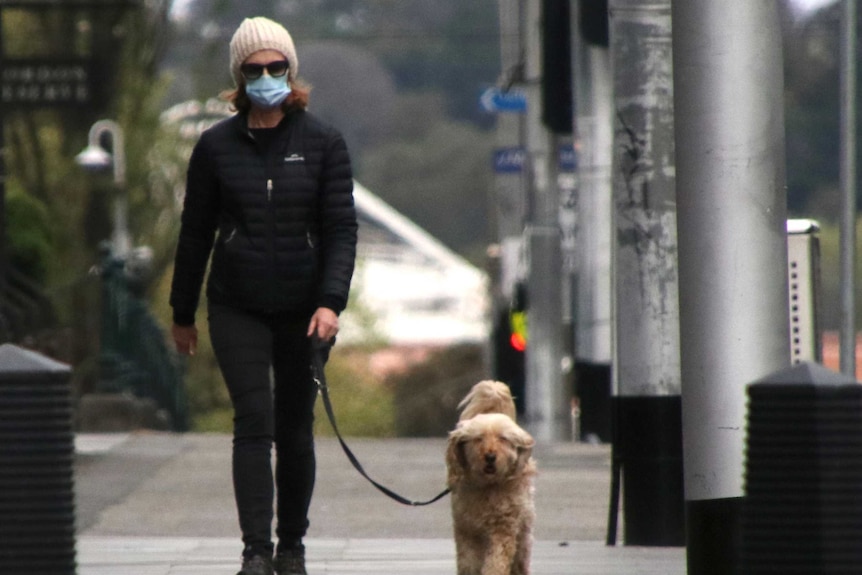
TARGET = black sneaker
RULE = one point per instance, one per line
(290, 561)
(256, 565)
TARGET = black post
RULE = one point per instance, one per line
(37, 533)
(803, 480)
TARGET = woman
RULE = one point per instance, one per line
(270, 193)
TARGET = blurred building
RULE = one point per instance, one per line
(408, 288)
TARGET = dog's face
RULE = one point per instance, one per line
(488, 449)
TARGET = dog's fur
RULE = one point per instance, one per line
(487, 396)
(490, 474)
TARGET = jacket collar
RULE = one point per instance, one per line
(242, 122)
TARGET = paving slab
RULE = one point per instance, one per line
(106, 555)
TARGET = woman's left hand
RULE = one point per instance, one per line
(324, 323)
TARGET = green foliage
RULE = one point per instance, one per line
(427, 395)
(812, 112)
(830, 275)
(57, 214)
(458, 52)
(439, 176)
(363, 407)
(29, 233)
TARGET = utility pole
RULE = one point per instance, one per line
(731, 204)
(593, 85)
(646, 371)
(509, 201)
(548, 411)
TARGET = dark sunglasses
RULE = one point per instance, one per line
(254, 71)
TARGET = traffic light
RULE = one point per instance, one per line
(518, 330)
(510, 342)
(518, 318)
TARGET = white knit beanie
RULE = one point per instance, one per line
(260, 34)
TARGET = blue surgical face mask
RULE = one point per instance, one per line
(266, 91)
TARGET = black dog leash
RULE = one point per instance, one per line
(318, 348)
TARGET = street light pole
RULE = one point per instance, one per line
(95, 157)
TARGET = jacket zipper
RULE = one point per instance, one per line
(271, 246)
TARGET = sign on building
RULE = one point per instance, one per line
(46, 82)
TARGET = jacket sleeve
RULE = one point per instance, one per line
(338, 226)
(197, 231)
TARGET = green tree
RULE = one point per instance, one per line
(811, 55)
(438, 175)
(30, 234)
(124, 46)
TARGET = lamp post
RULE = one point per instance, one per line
(95, 157)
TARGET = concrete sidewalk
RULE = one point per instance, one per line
(161, 503)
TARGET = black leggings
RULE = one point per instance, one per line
(249, 347)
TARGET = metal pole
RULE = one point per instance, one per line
(848, 189)
(547, 409)
(594, 134)
(646, 368)
(731, 203)
(509, 203)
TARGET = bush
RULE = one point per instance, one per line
(363, 407)
(427, 395)
(29, 233)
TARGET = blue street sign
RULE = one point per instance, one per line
(509, 160)
(496, 100)
(568, 158)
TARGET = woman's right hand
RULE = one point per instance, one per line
(186, 338)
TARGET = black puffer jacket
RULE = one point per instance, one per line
(285, 219)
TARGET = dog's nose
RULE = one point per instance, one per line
(490, 457)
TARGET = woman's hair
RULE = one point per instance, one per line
(296, 100)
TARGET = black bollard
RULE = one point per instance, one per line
(37, 515)
(802, 512)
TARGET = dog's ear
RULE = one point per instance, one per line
(456, 460)
(521, 439)
(524, 443)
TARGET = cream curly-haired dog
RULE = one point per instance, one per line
(490, 474)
